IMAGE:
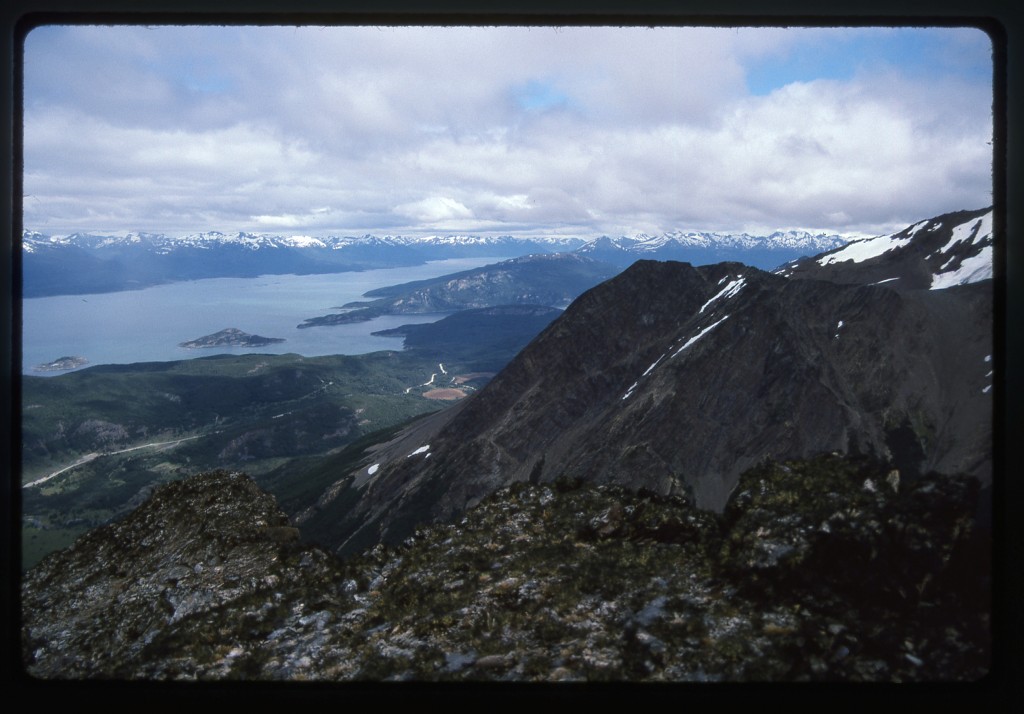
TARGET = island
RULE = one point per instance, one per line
(230, 337)
(61, 364)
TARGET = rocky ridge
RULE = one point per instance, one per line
(948, 250)
(830, 569)
(677, 378)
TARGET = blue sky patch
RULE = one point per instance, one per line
(924, 53)
(538, 96)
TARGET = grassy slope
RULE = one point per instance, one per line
(255, 412)
(295, 423)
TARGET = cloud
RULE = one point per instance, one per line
(436, 209)
(591, 130)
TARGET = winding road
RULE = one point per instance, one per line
(90, 457)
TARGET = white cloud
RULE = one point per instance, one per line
(436, 209)
(415, 128)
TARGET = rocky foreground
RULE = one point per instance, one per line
(828, 569)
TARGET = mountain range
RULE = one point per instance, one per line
(89, 263)
(676, 379)
(702, 248)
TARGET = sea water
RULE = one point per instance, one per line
(147, 325)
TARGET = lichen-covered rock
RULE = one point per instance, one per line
(196, 546)
(832, 523)
(811, 574)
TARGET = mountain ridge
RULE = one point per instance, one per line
(952, 249)
(818, 571)
(676, 378)
(548, 279)
(82, 263)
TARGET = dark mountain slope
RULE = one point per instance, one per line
(676, 379)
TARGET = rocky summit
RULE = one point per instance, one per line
(829, 569)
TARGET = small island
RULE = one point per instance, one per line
(230, 337)
(61, 364)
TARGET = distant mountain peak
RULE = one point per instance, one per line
(704, 248)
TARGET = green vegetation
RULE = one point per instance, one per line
(296, 424)
(553, 279)
(123, 428)
(40, 542)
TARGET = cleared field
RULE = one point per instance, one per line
(445, 394)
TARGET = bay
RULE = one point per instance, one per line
(147, 325)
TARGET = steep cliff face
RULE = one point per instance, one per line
(676, 379)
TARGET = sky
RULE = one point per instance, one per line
(500, 130)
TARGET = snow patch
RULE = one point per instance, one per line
(305, 242)
(629, 392)
(648, 371)
(423, 449)
(373, 469)
(916, 227)
(887, 280)
(978, 228)
(700, 334)
(727, 292)
(865, 249)
(972, 270)
(988, 358)
(986, 389)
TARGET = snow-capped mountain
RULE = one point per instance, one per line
(941, 252)
(777, 240)
(34, 240)
(79, 263)
(93, 263)
(703, 248)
